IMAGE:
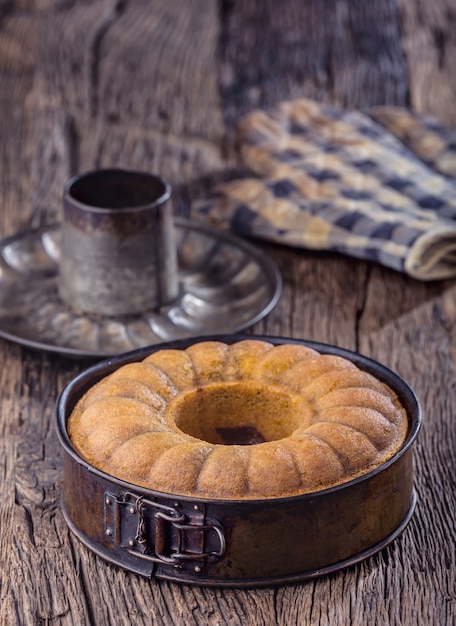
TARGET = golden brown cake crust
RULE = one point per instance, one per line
(247, 420)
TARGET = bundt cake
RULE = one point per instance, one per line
(241, 421)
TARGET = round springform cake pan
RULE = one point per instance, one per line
(237, 543)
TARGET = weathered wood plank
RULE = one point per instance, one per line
(160, 86)
(127, 85)
(408, 338)
(429, 36)
(17, 64)
(330, 51)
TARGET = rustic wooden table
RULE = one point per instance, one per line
(159, 86)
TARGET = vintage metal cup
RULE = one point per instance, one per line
(118, 250)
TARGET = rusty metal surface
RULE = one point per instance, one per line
(237, 542)
(119, 247)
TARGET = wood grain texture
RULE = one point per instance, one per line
(430, 45)
(330, 51)
(160, 86)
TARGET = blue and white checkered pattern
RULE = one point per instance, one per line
(379, 185)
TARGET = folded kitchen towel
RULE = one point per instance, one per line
(378, 184)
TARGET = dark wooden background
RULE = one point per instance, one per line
(159, 85)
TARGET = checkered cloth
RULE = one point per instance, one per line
(378, 185)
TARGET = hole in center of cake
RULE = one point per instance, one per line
(239, 413)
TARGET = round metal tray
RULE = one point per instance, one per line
(226, 285)
(237, 543)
